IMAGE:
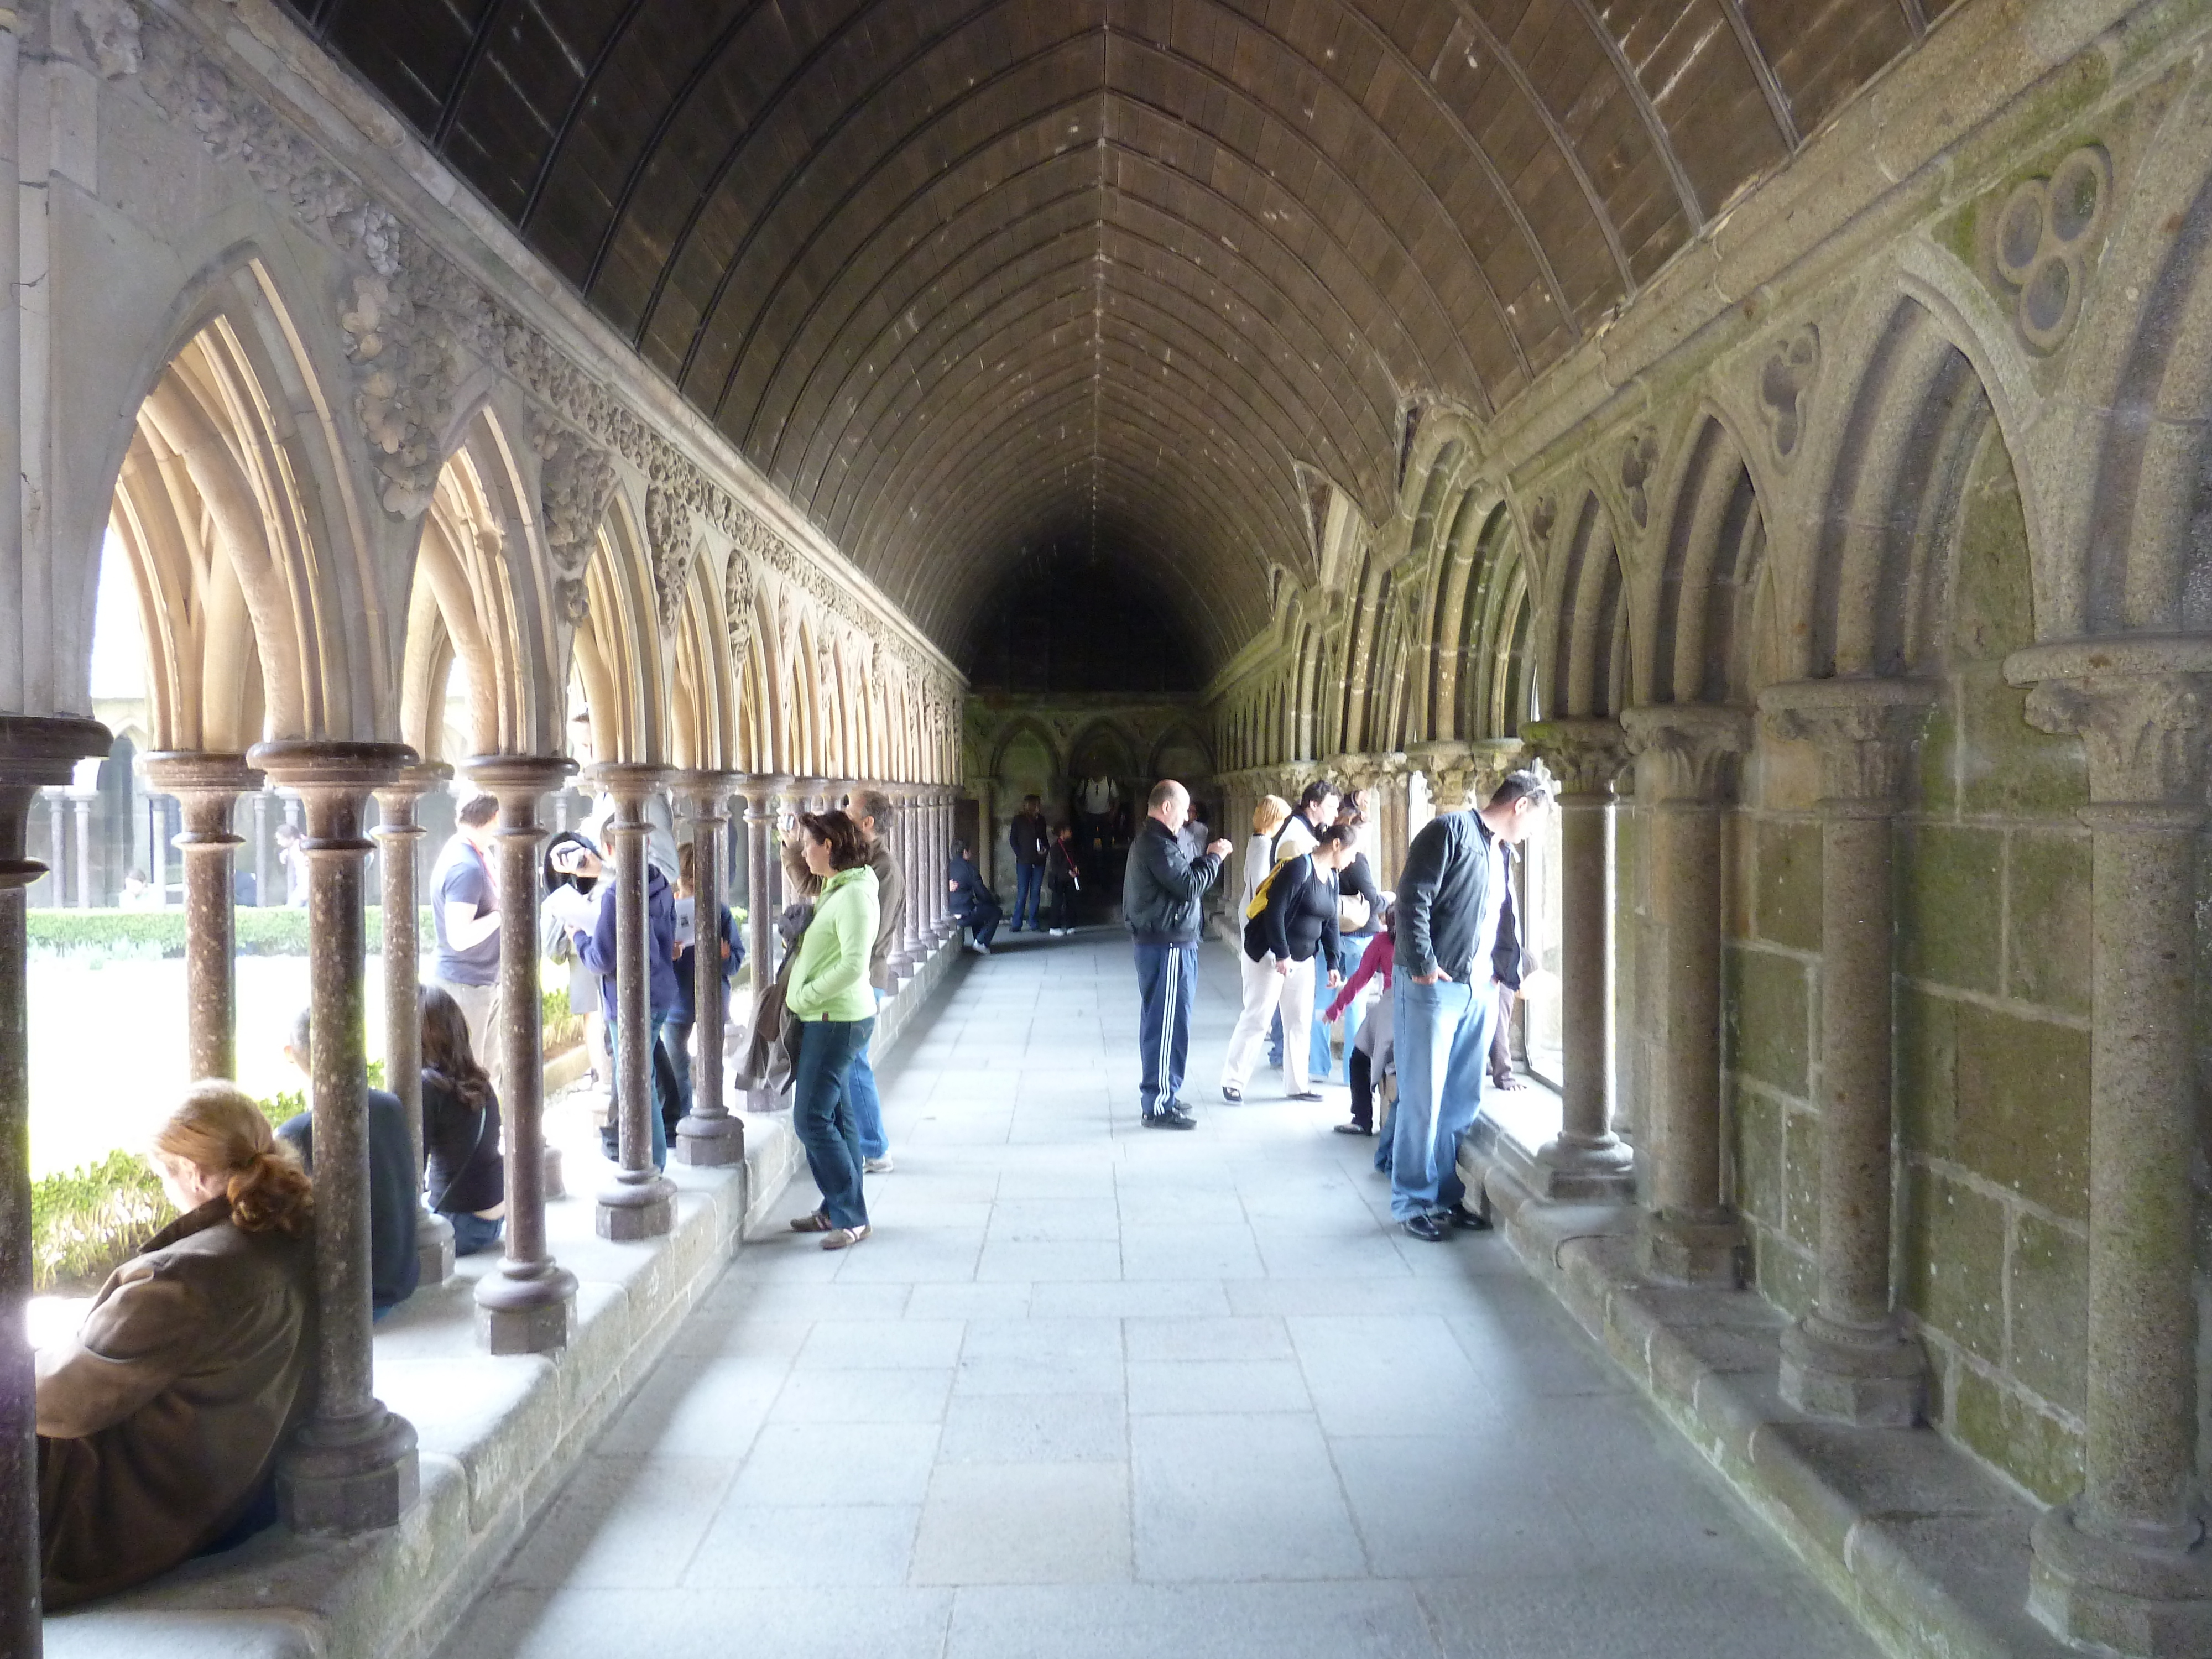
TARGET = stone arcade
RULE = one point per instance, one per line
(1786, 423)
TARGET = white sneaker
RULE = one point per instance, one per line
(876, 1165)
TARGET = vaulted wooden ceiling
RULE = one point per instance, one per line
(970, 278)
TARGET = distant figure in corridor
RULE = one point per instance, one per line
(1449, 899)
(973, 904)
(1064, 877)
(1030, 839)
(830, 997)
(464, 915)
(159, 1421)
(464, 1174)
(1160, 895)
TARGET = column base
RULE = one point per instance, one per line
(1875, 1378)
(902, 965)
(710, 1143)
(2114, 1597)
(434, 1243)
(641, 1209)
(341, 1479)
(1575, 1168)
(1693, 1249)
(530, 1311)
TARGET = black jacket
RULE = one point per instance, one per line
(1300, 917)
(971, 900)
(394, 1265)
(1359, 878)
(1441, 895)
(1505, 957)
(1162, 887)
(1026, 835)
(463, 1171)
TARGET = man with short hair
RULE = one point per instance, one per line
(1027, 835)
(871, 809)
(1450, 898)
(464, 913)
(972, 905)
(1160, 895)
(395, 1264)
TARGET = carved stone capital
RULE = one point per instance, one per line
(2142, 708)
(1587, 755)
(1685, 751)
(1865, 730)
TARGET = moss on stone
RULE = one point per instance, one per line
(2050, 1312)
(1954, 1261)
(2047, 897)
(1927, 1071)
(2033, 1447)
(1765, 1030)
(1784, 1275)
(1950, 879)
(2022, 1117)
(2008, 767)
(1788, 884)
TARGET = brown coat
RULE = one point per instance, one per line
(890, 906)
(159, 1422)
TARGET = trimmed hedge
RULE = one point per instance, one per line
(148, 935)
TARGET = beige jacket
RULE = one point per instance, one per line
(891, 902)
(160, 1421)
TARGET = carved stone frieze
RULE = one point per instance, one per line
(1685, 751)
(1864, 729)
(111, 29)
(1587, 755)
(668, 527)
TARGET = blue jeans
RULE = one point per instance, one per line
(1318, 1057)
(822, 1114)
(867, 1104)
(1029, 891)
(676, 1043)
(1442, 1048)
(982, 920)
(664, 1112)
(472, 1233)
(1167, 979)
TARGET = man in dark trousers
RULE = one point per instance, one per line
(1450, 897)
(1030, 840)
(1160, 893)
(395, 1204)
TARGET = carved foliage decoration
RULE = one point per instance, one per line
(668, 528)
(111, 29)
(1786, 387)
(576, 481)
(2038, 246)
(737, 597)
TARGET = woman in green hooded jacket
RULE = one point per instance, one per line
(830, 995)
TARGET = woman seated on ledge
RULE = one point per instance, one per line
(463, 1173)
(159, 1421)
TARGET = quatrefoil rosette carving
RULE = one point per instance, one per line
(2042, 243)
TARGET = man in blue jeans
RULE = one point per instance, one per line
(1028, 837)
(1449, 899)
(871, 809)
(1160, 893)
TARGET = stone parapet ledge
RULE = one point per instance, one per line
(1928, 1550)
(498, 1436)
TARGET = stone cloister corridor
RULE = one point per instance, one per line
(1094, 1392)
(484, 481)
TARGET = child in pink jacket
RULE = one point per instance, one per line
(1370, 1055)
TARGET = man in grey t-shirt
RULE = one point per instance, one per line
(464, 911)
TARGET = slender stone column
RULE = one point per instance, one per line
(1849, 1358)
(399, 836)
(261, 846)
(2126, 1566)
(529, 1305)
(33, 753)
(640, 1202)
(1685, 767)
(352, 1468)
(933, 855)
(207, 786)
(82, 800)
(1586, 1160)
(708, 1137)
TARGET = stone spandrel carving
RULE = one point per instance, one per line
(738, 600)
(2039, 245)
(1785, 386)
(575, 481)
(1638, 455)
(668, 526)
(406, 357)
(111, 30)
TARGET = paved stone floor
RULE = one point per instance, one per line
(1092, 1390)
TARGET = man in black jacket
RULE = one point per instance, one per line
(1450, 897)
(1027, 835)
(1160, 895)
